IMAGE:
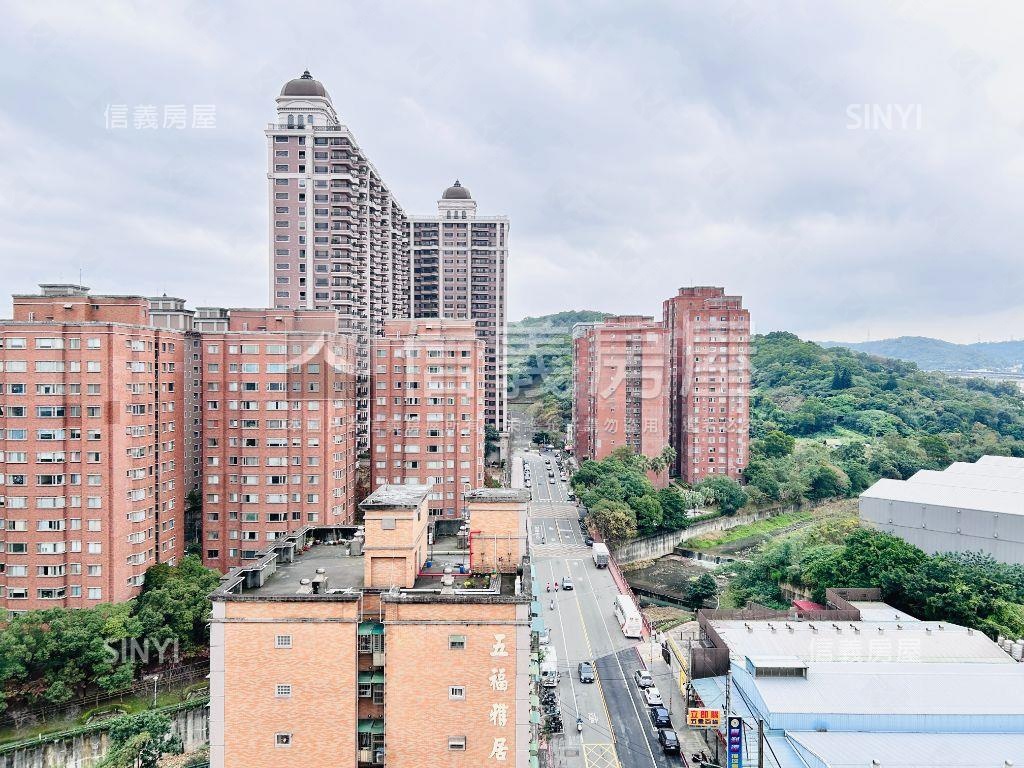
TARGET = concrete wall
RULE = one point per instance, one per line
(87, 750)
(652, 547)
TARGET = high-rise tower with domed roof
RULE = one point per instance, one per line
(460, 270)
(338, 238)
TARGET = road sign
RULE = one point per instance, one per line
(735, 742)
(702, 717)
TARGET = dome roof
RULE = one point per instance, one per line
(304, 86)
(456, 192)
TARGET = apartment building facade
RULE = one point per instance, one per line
(338, 237)
(459, 265)
(369, 596)
(427, 410)
(620, 386)
(279, 424)
(92, 410)
(709, 338)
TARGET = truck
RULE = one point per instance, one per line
(549, 668)
(600, 554)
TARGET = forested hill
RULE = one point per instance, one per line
(939, 355)
(807, 390)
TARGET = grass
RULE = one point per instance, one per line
(758, 528)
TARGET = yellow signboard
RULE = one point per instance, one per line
(701, 717)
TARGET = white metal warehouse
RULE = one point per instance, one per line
(965, 508)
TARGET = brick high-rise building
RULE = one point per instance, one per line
(338, 238)
(92, 415)
(427, 408)
(620, 386)
(709, 337)
(278, 427)
(460, 270)
(339, 646)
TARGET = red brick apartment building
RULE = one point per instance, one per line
(278, 427)
(621, 386)
(91, 448)
(709, 338)
(683, 381)
(427, 409)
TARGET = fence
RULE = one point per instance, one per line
(169, 679)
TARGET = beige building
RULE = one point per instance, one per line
(319, 648)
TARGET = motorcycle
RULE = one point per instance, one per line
(549, 586)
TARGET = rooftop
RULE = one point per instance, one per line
(396, 496)
(871, 610)
(860, 641)
(842, 749)
(992, 484)
(498, 495)
(899, 689)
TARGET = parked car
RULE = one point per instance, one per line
(660, 717)
(551, 480)
(653, 697)
(669, 741)
(588, 541)
(567, 584)
(545, 637)
(586, 672)
(644, 679)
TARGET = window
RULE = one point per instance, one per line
(95, 593)
(283, 739)
(283, 691)
(456, 642)
(457, 743)
(283, 641)
(457, 692)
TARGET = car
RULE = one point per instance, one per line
(652, 696)
(644, 679)
(660, 717)
(567, 584)
(586, 672)
(588, 541)
(551, 480)
(545, 637)
(669, 741)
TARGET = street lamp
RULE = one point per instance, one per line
(155, 679)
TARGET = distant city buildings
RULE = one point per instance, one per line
(683, 381)
(460, 270)
(427, 410)
(346, 645)
(966, 507)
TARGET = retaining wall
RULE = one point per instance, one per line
(88, 749)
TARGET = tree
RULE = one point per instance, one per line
(174, 603)
(725, 491)
(491, 438)
(541, 437)
(699, 591)
(827, 482)
(615, 520)
(842, 378)
(141, 738)
(775, 444)
(649, 514)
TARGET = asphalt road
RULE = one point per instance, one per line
(617, 730)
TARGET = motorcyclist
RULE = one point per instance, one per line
(556, 585)
(549, 586)
(579, 725)
(552, 604)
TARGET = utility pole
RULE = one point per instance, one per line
(760, 743)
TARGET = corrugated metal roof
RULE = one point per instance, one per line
(958, 750)
(992, 484)
(899, 689)
(822, 641)
(871, 610)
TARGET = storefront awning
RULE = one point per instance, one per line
(371, 726)
(370, 628)
(371, 677)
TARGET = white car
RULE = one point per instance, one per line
(545, 637)
(643, 678)
(652, 696)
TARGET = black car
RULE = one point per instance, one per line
(588, 541)
(660, 717)
(586, 672)
(669, 741)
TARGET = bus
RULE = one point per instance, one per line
(628, 617)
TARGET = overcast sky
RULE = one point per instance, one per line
(853, 170)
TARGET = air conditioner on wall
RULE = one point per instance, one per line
(365, 755)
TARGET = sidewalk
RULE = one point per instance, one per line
(690, 740)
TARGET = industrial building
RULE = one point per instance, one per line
(858, 683)
(967, 507)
